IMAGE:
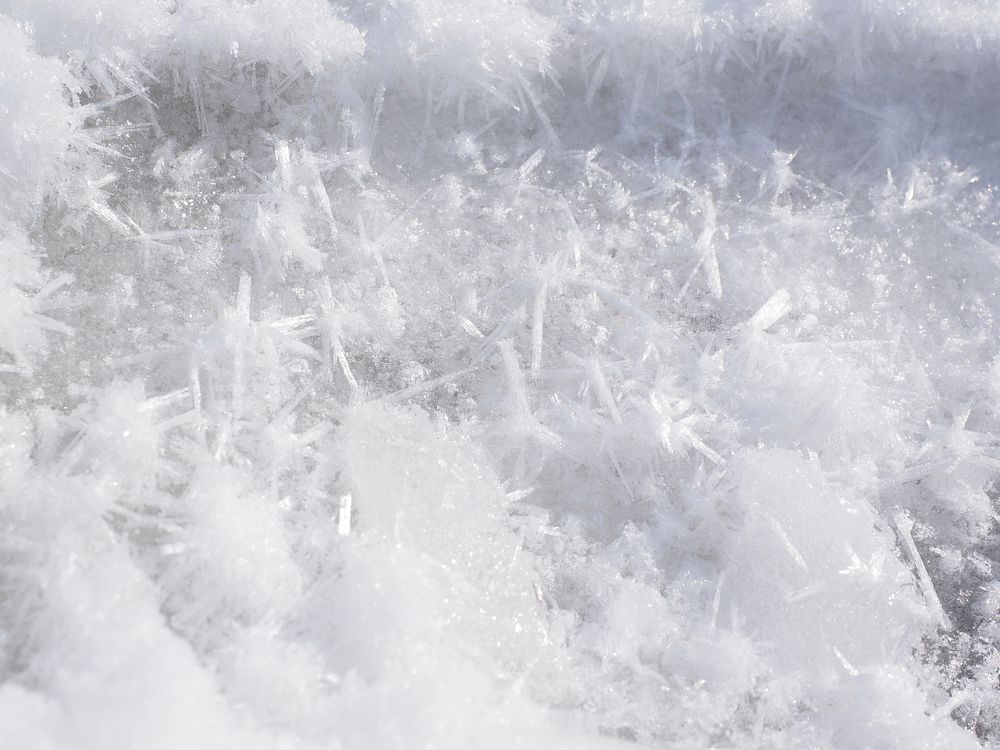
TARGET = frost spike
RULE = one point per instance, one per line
(344, 514)
(777, 306)
(537, 323)
(517, 392)
(598, 78)
(603, 391)
(903, 526)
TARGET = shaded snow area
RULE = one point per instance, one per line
(499, 374)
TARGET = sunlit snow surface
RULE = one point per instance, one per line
(501, 374)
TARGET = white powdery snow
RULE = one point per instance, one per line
(541, 374)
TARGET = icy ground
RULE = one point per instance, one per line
(496, 374)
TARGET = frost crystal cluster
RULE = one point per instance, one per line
(498, 374)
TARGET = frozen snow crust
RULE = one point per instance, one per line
(499, 374)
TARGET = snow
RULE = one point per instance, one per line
(528, 374)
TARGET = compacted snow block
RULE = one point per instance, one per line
(814, 573)
(434, 584)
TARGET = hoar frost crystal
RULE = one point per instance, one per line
(547, 374)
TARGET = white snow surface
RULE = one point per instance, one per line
(501, 374)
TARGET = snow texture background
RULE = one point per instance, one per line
(548, 374)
